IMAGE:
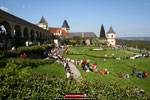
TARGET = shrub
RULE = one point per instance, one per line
(34, 49)
(44, 87)
(30, 62)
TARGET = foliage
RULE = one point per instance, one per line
(141, 44)
(102, 32)
(66, 41)
(30, 62)
(95, 41)
(34, 49)
(77, 39)
(44, 87)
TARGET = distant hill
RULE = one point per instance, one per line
(135, 38)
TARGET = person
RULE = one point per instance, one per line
(95, 65)
(21, 56)
(68, 74)
(84, 61)
(120, 75)
(77, 61)
(101, 71)
(105, 71)
(13, 48)
(24, 55)
(27, 43)
(127, 76)
(140, 74)
(87, 70)
(134, 70)
(113, 55)
(142, 91)
(145, 74)
(136, 90)
(104, 59)
(95, 71)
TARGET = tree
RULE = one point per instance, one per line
(77, 39)
(66, 41)
(95, 41)
(102, 32)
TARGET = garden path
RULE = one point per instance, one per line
(76, 74)
(75, 71)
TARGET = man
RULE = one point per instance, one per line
(113, 56)
(134, 70)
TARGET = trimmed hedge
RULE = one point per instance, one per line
(43, 87)
(30, 62)
(34, 49)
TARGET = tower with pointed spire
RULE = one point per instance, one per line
(65, 26)
(111, 37)
(43, 24)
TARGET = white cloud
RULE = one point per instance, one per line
(4, 8)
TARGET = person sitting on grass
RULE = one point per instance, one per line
(145, 74)
(139, 74)
(100, 72)
(90, 68)
(104, 59)
(95, 71)
(120, 75)
(136, 90)
(87, 70)
(68, 74)
(142, 91)
(105, 71)
(95, 65)
(126, 76)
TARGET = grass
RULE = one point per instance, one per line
(52, 70)
(114, 66)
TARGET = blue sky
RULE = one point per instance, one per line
(127, 17)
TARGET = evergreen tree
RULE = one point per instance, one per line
(102, 32)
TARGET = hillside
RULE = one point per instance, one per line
(135, 38)
(141, 44)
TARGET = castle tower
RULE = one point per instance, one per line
(111, 37)
(65, 26)
(43, 24)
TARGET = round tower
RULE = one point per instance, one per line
(111, 37)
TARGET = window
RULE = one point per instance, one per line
(112, 41)
(111, 35)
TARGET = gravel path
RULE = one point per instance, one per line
(75, 71)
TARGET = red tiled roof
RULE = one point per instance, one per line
(57, 30)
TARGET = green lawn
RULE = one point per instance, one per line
(52, 70)
(114, 66)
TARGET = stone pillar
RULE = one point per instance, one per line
(22, 31)
(12, 29)
(29, 34)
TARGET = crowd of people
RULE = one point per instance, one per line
(56, 54)
(89, 67)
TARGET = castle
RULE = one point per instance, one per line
(64, 32)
